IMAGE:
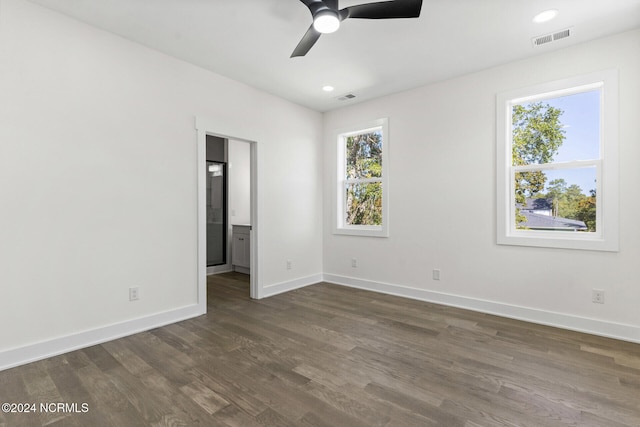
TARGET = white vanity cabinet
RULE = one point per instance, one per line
(241, 248)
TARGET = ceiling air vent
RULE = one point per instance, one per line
(548, 38)
(346, 97)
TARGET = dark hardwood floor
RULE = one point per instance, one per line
(332, 356)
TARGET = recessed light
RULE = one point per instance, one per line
(545, 16)
(327, 88)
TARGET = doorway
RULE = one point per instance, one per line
(228, 205)
(206, 128)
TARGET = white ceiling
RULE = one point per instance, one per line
(251, 40)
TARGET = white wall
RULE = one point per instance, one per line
(239, 182)
(443, 208)
(98, 190)
(98, 182)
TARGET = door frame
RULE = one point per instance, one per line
(204, 127)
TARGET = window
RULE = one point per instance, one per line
(361, 202)
(557, 164)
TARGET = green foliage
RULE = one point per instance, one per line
(364, 204)
(572, 197)
(537, 136)
(364, 155)
(569, 202)
(586, 210)
(555, 192)
(528, 184)
(364, 161)
(537, 133)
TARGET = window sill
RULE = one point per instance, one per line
(362, 231)
(559, 240)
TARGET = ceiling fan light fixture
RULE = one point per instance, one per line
(327, 17)
(326, 22)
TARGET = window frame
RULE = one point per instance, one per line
(605, 238)
(339, 220)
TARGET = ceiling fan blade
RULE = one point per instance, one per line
(383, 10)
(316, 6)
(331, 4)
(308, 40)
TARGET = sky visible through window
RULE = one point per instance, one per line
(581, 123)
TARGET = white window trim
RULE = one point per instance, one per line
(607, 211)
(339, 226)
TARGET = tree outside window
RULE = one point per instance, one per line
(362, 177)
(541, 132)
(553, 189)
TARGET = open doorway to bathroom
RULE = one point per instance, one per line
(228, 213)
(236, 212)
(228, 206)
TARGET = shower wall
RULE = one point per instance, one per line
(217, 155)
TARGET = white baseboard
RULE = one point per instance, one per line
(279, 288)
(54, 347)
(243, 270)
(218, 269)
(42, 350)
(560, 320)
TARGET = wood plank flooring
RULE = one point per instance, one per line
(332, 356)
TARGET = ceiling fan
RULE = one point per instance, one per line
(327, 17)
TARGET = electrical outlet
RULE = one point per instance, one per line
(134, 294)
(436, 274)
(598, 296)
(354, 263)
(288, 264)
